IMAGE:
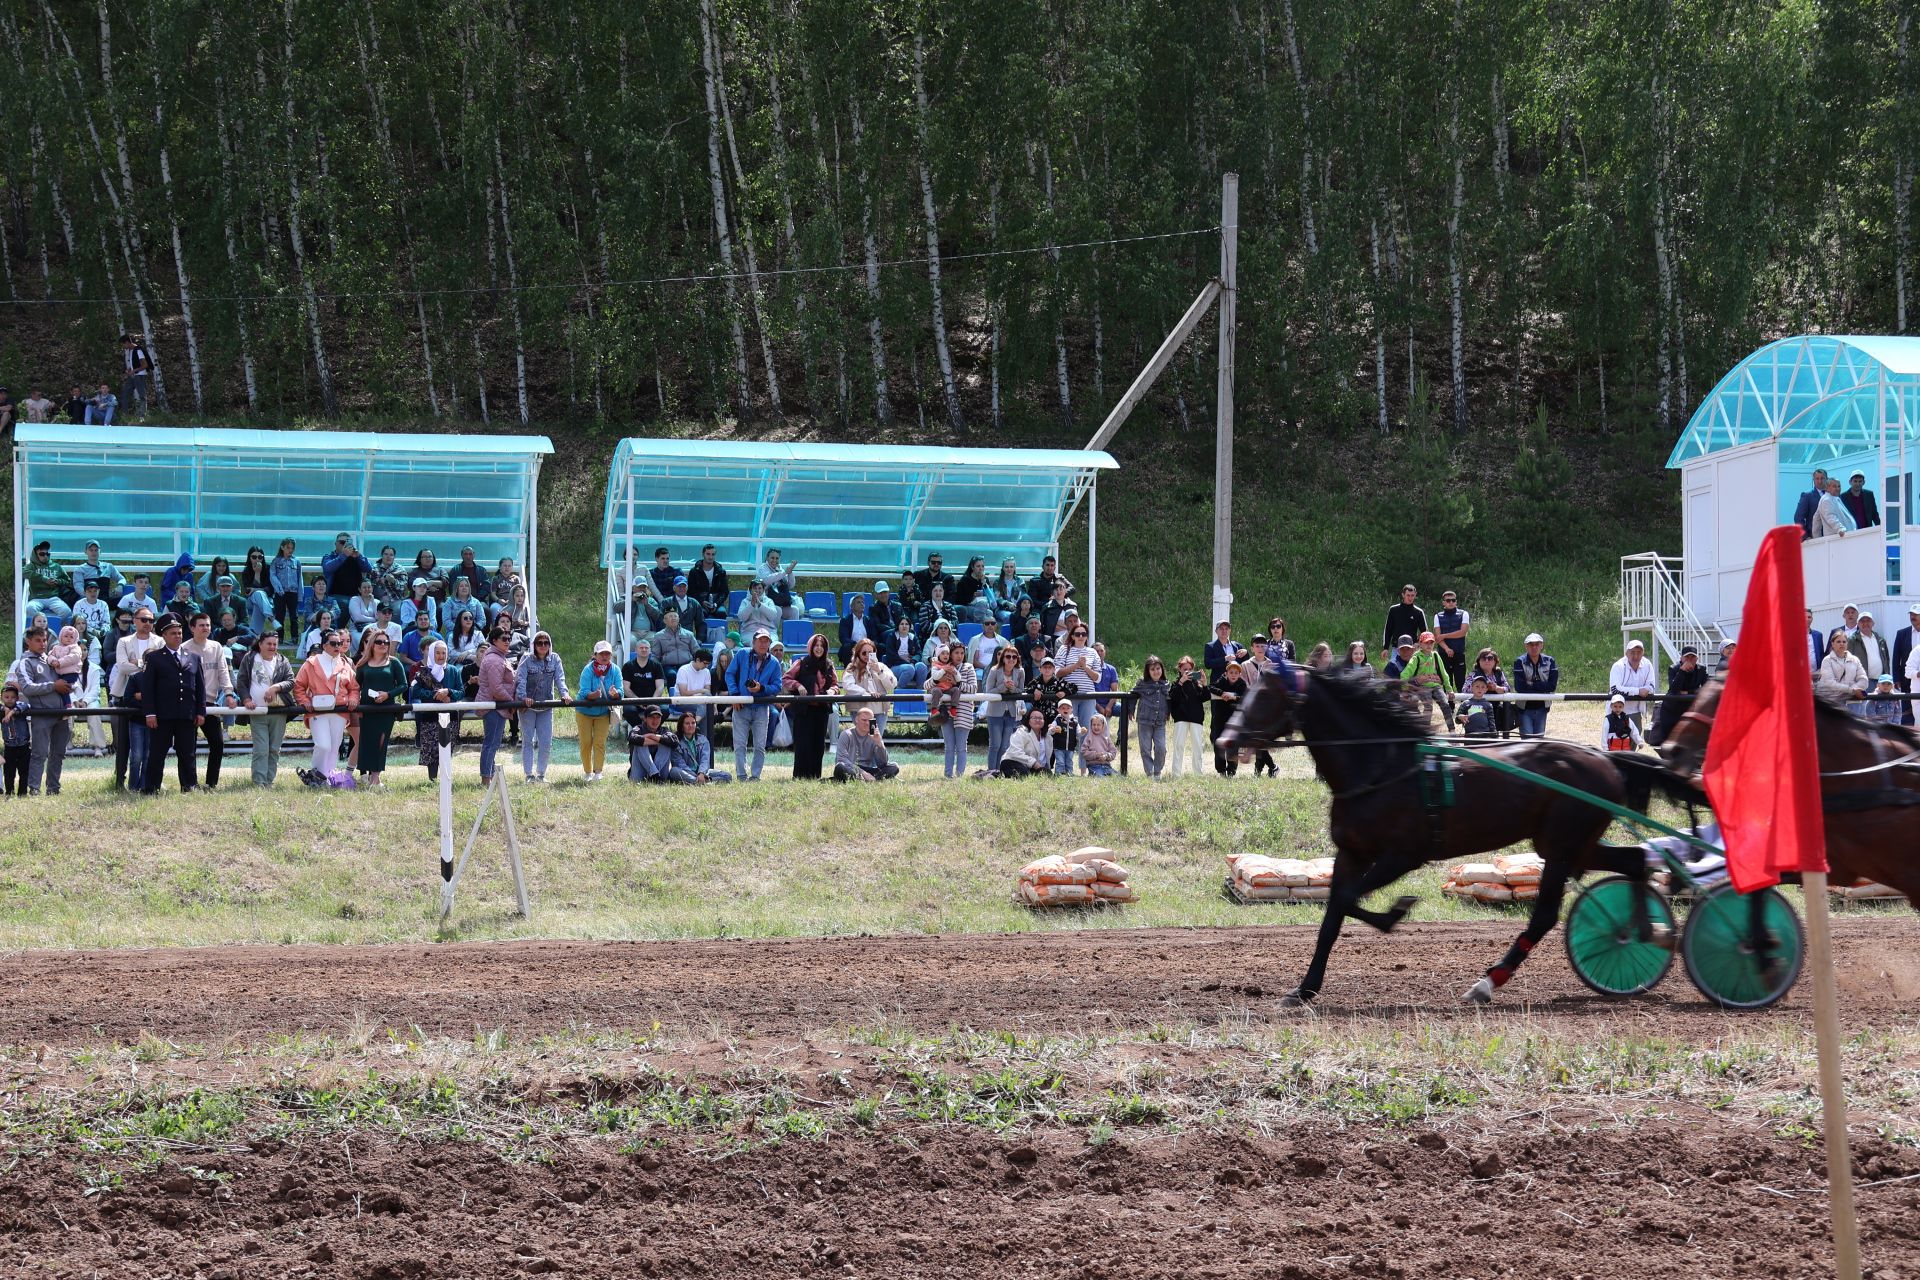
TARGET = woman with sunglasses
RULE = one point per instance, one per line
(1006, 681)
(383, 696)
(1079, 663)
(327, 690)
(540, 678)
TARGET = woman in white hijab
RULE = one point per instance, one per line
(434, 680)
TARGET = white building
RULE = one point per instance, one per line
(1842, 403)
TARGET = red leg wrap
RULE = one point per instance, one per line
(1499, 975)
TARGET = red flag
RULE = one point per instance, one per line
(1763, 768)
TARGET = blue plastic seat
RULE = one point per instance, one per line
(968, 632)
(733, 602)
(795, 633)
(716, 630)
(820, 604)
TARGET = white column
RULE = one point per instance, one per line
(1223, 426)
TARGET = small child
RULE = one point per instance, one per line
(1476, 713)
(18, 739)
(68, 657)
(1097, 751)
(943, 698)
(1066, 738)
(1887, 711)
(1620, 733)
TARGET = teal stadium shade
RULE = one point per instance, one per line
(1819, 395)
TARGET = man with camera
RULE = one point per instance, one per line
(859, 754)
(754, 674)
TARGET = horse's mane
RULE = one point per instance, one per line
(1381, 705)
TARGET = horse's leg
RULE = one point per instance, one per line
(1545, 914)
(1340, 902)
(1382, 872)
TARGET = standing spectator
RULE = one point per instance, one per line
(1882, 709)
(1064, 732)
(285, 580)
(868, 677)
(1450, 627)
(43, 689)
(811, 676)
(781, 586)
(75, 409)
(217, 672)
(692, 753)
(47, 584)
(1040, 587)
(1403, 619)
(1619, 731)
(540, 678)
(17, 736)
(1108, 682)
(1684, 679)
(753, 674)
(1030, 747)
(1487, 663)
(124, 690)
(1803, 510)
(1097, 752)
(136, 368)
(1046, 689)
(496, 686)
(342, 572)
(959, 727)
(265, 680)
(1475, 714)
(1841, 678)
(855, 625)
(173, 693)
(859, 753)
(757, 612)
(326, 689)
(435, 679)
(1151, 692)
(707, 583)
(1356, 660)
(1079, 664)
(382, 678)
(1278, 646)
(1831, 517)
(1903, 651)
(1221, 651)
(1850, 619)
(1816, 644)
(1396, 664)
(599, 685)
(36, 407)
(1226, 694)
(101, 407)
(697, 680)
(1858, 499)
(1632, 677)
(1427, 676)
(1870, 647)
(1534, 671)
(1006, 681)
(1187, 706)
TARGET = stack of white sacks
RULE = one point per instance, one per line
(1086, 877)
(1254, 877)
(1513, 877)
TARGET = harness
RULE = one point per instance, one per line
(1888, 797)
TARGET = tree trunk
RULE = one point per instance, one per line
(717, 179)
(1061, 372)
(1306, 130)
(131, 246)
(1902, 174)
(173, 224)
(993, 305)
(513, 283)
(37, 142)
(882, 404)
(942, 352)
(746, 226)
(328, 400)
(370, 72)
(235, 274)
(1379, 331)
(1664, 265)
(1456, 282)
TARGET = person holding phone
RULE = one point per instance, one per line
(754, 674)
(860, 754)
(1187, 710)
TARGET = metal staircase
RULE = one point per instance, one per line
(1652, 600)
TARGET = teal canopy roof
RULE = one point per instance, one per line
(1819, 395)
(841, 508)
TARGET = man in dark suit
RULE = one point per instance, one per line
(1903, 645)
(1860, 502)
(1221, 650)
(1816, 643)
(883, 614)
(1810, 503)
(174, 693)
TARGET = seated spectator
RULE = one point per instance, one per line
(466, 645)
(707, 583)
(868, 677)
(363, 609)
(1030, 748)
(479, 586)
(1023, 609)
(934, 612)
(462, 601)
(643, 605)
(1033, 645)
(207, 583)
(391, 581)
(972, 594)
(384, 624)
(75, 409)
(757, 612)
(140, 596)
(420, 602)
(1008, 590)
(36, 407)
(100, 409)
(413, 645)
(782, 588)
(855, 626)
(47, 585)
(7, 408)
(94, 569)
(1054, 613)
(903, 655)
(426, 565)
(518, 615)
(693, 754)
(435, 679)
(228, 631)
(253, 587)
(859, 754)
(673, 645)
(181, 603)
(1319, 658)
(1841, 677)
(1356, 663)
(1040, 587)
(984, 650)
(287, 579)
(341, 572)
(1097, 752)
(506, 576)
(92, 608)
(693, 617)
(884, 612)
(924, 579)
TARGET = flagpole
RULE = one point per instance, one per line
(1833, 1097)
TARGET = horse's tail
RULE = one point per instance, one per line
(1643, 775)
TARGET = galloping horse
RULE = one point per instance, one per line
(1869, 789)
(1393, 811)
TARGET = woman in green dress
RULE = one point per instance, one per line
(383, 696)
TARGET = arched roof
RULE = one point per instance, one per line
(1818, 394)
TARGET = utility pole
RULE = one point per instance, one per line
(1223, 398)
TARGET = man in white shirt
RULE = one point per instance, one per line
(217, 670)
(1633, 678)
(1870, 647)
(985, 647)
(782, 588)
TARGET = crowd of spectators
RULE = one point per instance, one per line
(90, 406)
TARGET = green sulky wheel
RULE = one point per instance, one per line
(1722, 957)
(1605, 949)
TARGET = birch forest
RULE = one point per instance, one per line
(964, 217)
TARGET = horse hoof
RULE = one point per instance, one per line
(1480, 992)
(1295, 1000)
(1399, 910)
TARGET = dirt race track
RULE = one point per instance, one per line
(1689, 1193)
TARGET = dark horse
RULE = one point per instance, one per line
(1869, 789)
(1388, 817)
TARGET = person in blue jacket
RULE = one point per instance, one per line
(755, 674)
(1534, 671)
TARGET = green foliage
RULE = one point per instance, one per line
(1542, 481)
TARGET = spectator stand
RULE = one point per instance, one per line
(838, 511)
(150, 493)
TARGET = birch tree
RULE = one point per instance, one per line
(955, 419)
